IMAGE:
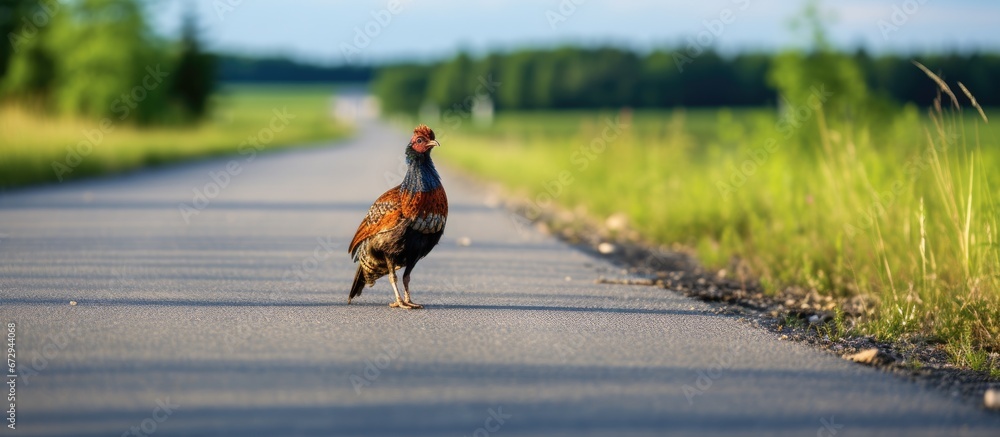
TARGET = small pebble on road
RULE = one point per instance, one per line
(606, 248)
(992, 398)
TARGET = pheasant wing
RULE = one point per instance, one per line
(383, 216)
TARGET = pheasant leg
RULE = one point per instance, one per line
(406, 290)
(399, 303)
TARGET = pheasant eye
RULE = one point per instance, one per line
(420, 140)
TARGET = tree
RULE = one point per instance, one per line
(660, 86)
(194, 76)
(106, 53)
(11, 12)
(517, 74)
(799, 75)
(27, 60)
(451, 84)
(402, 88)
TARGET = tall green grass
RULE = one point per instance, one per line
(902, 217)
(32, 143)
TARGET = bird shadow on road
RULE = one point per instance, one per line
(299, 304)
(569, 309)
(164, 302)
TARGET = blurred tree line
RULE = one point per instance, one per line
(570, 78)
(99, 58)
(232, 68)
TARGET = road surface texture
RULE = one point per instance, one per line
(230, 319)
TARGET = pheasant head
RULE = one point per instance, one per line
(422, 140)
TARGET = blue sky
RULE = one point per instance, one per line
(321, 31)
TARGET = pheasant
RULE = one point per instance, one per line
(403, 224)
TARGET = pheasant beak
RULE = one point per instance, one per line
(431, 144)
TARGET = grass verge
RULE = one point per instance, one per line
(36, 149)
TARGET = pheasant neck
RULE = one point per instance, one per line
(421, 176)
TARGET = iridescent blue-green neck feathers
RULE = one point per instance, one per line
(421, 176)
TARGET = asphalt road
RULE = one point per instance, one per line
(234, 321)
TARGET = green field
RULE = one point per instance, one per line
(901, 213)
(36, 149)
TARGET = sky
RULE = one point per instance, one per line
(373, 31)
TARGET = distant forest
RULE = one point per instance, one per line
(245, 69)
(569, 78)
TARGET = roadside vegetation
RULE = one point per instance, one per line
(902, 216)
(87, 88)
(37, 148)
